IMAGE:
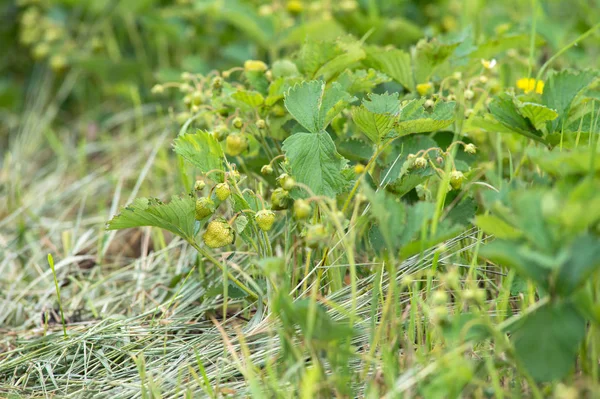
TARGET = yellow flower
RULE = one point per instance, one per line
(424, 88)
(529, 85)
(295, 6)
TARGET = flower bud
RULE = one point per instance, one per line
(266, 170)
(420, 162)
(199, 185)
(470, 149)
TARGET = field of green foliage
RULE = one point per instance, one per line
(299, 199)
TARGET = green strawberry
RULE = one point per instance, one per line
(204, 207)
(218, 234)
(222, 191)
(265, 219)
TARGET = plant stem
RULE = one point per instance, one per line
(230, 276)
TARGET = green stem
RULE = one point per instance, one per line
(230, 276)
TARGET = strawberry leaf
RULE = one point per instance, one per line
(315, 162)
(177, 216)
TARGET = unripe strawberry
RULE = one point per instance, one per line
(286, 181)
(420, 162)
(204, 207)
(255, 66)
(199, 185)
(302, 209)
(182, 117)
(218, 234)
(41, 51)
(261, 124)
(278, 110)
(222, 191)
(237, 122)
(470, 149)
(439, 297)
(284, 68)
(197, 98)
(456, 179)
(235, 144)
(280, 199)
(469, 94)
(220, 132)
(315, 235)
(266, 170)
(58, 62)
(265, 219)
(429, 103)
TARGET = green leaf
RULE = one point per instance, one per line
(493, 47)
(537, 114)
(201, 149)
(394, 63)
(314, 54)
(377, 115)
(583, 261)
(415, 119)
(355, 149)
(564, 163)
(505, 111)
(429, 55)
(509, 254)
(249, 97)
(560, 90)
(353, 53)
(315, 162)
(390, 214)
(497, 227)
(177, 216)
(312, 318)
(313, 106)
(547, 340)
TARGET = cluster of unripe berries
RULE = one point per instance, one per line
(456, 177)
(219, 232)
(48, 38)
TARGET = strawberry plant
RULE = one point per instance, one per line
(321, 199)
